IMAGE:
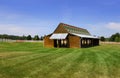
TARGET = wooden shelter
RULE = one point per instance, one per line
(70, 37)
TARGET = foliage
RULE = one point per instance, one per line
(41, 38)
(13, 37)
(36, 37)
(29, 37)
(115, 37)
(102, 38)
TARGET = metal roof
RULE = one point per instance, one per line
(64, 35)
(84, 36)
(73, 29)
(59, 36)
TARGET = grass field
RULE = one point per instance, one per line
(31, 60)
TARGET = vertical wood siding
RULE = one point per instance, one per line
(74, 42)
(48, 42)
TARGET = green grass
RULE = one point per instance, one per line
(31, 60)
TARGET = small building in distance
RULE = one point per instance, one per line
(69, 36)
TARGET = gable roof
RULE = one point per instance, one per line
(63, 30)
(73, 29)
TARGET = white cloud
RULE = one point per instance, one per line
(15, 23)
(13, 29)
(104, 29)
(26, 28)
(113, 26)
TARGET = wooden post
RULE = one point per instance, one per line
(92, 43)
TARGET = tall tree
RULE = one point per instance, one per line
(23, 37)
(29, 37)
(117, 39)
(41, 38)
(102, 38)
(36, 37)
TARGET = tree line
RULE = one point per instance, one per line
(13, 37)
(114, 38)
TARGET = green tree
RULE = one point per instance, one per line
(23, 37)
(29, 37)
(5, 36)
(36, 37)
(117, 39)
(112, 38)
(41, 38)
(102, 38)
(0, 36)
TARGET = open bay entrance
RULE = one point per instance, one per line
(88, 42)
(61, 43)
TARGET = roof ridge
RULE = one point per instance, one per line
(72, 26)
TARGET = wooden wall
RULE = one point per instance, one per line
(74, 42)
(48, 42)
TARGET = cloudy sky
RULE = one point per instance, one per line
(23, 17)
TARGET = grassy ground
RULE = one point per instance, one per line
(31, 60)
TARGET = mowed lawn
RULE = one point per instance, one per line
(32, 60)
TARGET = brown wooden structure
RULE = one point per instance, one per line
(70, 37)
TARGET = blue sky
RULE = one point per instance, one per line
(23, 17)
